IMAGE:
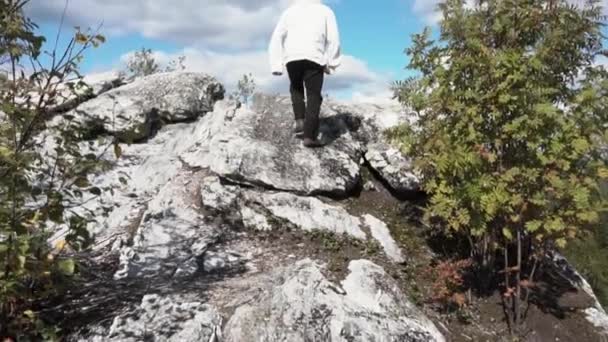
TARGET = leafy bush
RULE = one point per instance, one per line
(43, 177)
(511, 105)
(448, 284)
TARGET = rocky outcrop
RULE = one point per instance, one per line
(195, 203)
(131, 111)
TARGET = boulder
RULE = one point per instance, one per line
(305, 306)
(132, 111)
(257, 147)
(389, 163)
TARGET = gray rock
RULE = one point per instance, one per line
(168, 318)
(390, 164)
(393, 167)
(307, 213)
(382, 234)
(131, 111)
(172, 236)
(214, 261)
(594, 313)
(305, 306)
(217, 196)
(256, 146)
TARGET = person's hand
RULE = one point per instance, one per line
(277, 73)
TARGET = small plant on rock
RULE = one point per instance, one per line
(245, 89)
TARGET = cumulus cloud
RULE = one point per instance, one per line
(354, 76)
(225, 38)
(212, 23)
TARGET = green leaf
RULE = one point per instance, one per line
(66, 266)
(533, 226)
(506, 232)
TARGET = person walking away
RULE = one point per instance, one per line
(306, 41)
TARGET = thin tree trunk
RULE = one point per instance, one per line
(517, 297)
(508, 308)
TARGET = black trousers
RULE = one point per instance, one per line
(307, 75)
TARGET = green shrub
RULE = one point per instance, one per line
(510, 106)
(37, 188)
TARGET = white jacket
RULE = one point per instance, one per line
(306, 30)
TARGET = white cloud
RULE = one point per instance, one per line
(210, 23)
(224, 38)
(353, 77)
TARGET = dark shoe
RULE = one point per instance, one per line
(299, 130)
(312, 143)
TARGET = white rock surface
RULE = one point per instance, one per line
(217, 196)
(172, 236)
(308, 213)
(305, 306)
(132, 110)
(170, 319)
(382, 234)
(257, 146)
(393, 167)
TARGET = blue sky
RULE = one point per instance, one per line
(227, 38)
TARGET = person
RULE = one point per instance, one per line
(306, 41)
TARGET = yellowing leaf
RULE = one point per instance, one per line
(81, 38)
(603, 172)
(60, 245)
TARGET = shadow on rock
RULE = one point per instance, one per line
(97, 298)
(333, 127)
